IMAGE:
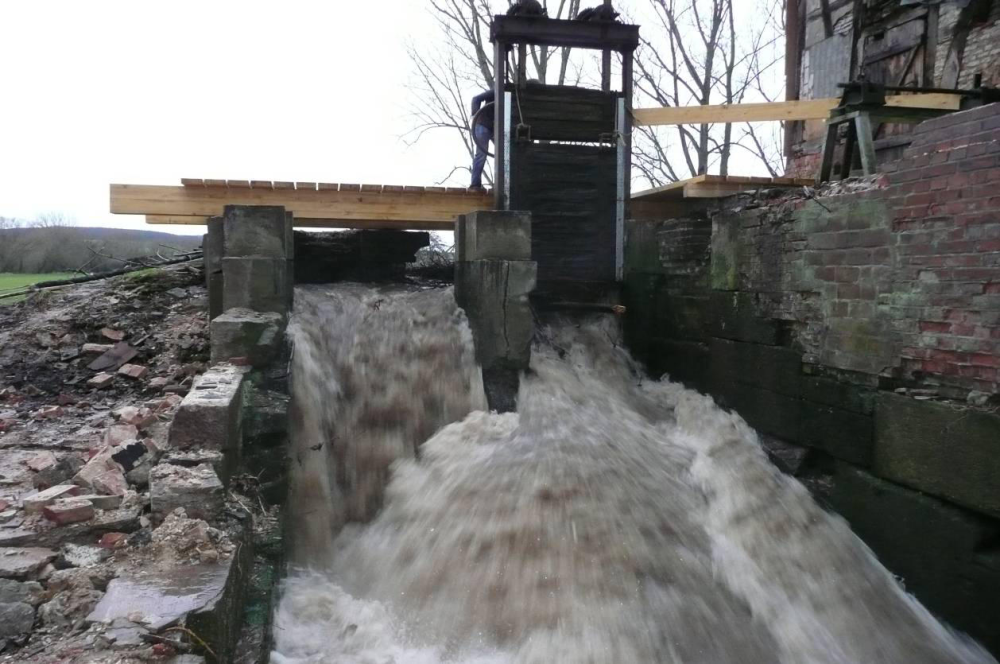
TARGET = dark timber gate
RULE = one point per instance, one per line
(563, 153)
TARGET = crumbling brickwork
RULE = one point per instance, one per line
(945, 198)
(809, 313)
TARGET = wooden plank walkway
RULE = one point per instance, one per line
(347, 205)
(313, 204)
(716, 186)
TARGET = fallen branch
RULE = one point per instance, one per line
(43, 285)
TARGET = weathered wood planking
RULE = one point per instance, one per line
(806, 109)
(717, 186)
(347, 206)
(360, 224)
(544, 110)
(571, 192)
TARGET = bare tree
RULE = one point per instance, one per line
(698, 55)
(448, 76)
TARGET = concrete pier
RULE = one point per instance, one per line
(494, 275)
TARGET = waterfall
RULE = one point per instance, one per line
(611, 519)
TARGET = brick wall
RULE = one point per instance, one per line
(945, 202)
(807, 314)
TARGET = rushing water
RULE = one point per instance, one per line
(612, 519)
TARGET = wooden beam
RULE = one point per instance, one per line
(355, 206)
(174, 220)
(716, 186)
(807, 109)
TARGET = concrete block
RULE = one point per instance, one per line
(260, 284)
(493, 235)
(198, 490)
(257, 231)
(210, 417)
(841, 433)
(214, 249)
(36, 503)
(771, 367)
(846, 396)
(940, 551)
(734, 315)
(18, 563)
(950, 452)
(248, 334)
(494, 294)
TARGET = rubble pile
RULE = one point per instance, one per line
(91, 378)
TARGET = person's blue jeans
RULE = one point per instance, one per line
(483, 136)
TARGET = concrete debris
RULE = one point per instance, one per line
(42, 461)
(48, 413)
(121, 434)
(197, 490)
(15, 619)
(178, 292)
(133, 371)
(139, 417)
(28, 592)
(102, 475)
(95, 349)
(158, 383)
(977, 398)
(101, 381)
(113, 335)
(69, 510)
(62, 471)
(119, 354)
(75, 595)
(77, 555)
(103, 502)
(20, 563)
(36, 503)
(158, 600)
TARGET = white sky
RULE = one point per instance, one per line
(133, 91)
(100, 91)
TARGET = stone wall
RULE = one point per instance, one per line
(857, 328)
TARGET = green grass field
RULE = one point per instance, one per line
(9, 282)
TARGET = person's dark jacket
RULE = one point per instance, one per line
(478, 101)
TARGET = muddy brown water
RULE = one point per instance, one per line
(611, 519)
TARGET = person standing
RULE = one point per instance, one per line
(482, 134)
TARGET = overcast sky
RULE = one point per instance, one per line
(94, 92)
(100, 91)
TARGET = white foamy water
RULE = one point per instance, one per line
(612, 519)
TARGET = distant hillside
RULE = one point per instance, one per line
(65, 249)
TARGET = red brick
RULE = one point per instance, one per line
(133, 371)
(983, 360)
(931, 326)
(112, 540)
(847, 274)
(848, 292)
(69, 510)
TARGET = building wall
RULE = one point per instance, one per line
(951, 47)
(857, 329)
